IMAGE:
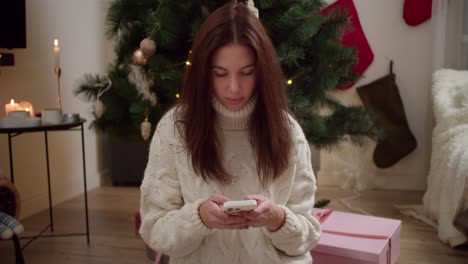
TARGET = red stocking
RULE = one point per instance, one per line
(416, 12)
(355, 37)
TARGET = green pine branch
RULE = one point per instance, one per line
(307, 43)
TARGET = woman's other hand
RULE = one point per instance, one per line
(213, 216)
(267, 214)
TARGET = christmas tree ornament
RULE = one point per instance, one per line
(143, 84)
(353, 37)
(251, 6)
(416, 12)
(383, 99)
(145, 126)
(139, 58)
(98, 108)
(148, 47)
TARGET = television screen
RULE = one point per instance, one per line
(12, 24)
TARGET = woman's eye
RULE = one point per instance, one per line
(217, 74)
(248, 73)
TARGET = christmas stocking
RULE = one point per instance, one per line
(354, 37)
(382, 98)
(11, 223)
(5, 232)
(416, 12)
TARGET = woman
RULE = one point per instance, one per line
(230, 138)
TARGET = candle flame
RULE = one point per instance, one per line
(12, 102)
(56, 42)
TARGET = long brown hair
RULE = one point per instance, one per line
(269, 126)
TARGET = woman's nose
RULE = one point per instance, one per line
(234, 85)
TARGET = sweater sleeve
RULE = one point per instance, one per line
(300, 231)
(168, 225)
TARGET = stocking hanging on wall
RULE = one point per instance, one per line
(354, 37)
(382, 98)
(416, 12)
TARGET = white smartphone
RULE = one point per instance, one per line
(232, 207)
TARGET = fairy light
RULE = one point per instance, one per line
(289, 82)
(188, 61)
(177, 95)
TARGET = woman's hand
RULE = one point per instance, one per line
(213, 216)
(267, 214)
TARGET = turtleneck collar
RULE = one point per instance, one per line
(233, 120)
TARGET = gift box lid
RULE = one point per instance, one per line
(358, 236)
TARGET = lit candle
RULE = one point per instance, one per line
(12, 106)
(22, 106)
(57, 53)
(27, 106)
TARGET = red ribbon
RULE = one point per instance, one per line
(323, 216)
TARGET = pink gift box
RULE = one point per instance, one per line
(356, 239)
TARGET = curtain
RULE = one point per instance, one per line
(439, 20)
(464, 37)
(450, 37)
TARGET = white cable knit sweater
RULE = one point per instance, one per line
(171, 194)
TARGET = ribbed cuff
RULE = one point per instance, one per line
(291, 226)
(194, 219)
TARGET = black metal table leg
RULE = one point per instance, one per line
(10, 153)
(51, 217)
(18, 251)
(85, 185)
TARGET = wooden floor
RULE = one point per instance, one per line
(113, 239)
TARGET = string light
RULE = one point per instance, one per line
(177, 95)
(187, 62)
(289, 82)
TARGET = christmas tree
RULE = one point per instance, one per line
(153, 40)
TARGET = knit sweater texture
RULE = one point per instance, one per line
(171, 194)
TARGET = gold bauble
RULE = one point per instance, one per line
(99, 108)
(145, 128)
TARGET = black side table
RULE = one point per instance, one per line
(69, 126)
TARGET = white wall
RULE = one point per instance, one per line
(411, 49)
(79, 26)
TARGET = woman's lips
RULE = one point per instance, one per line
(234, 101)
